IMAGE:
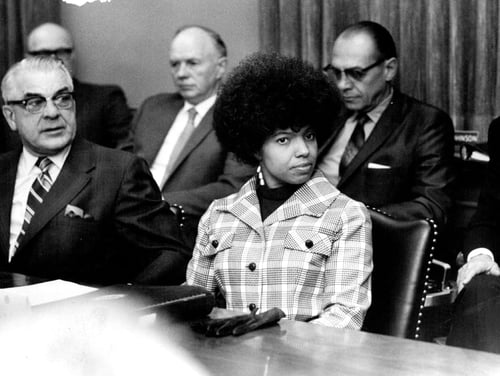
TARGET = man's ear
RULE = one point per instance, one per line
(391, 68)
(10, 116)
(221, 67)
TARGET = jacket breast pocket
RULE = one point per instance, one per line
(309, 248)
(218, 242)
(380, 184)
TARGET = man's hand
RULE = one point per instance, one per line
(477, 265)
(238, 325)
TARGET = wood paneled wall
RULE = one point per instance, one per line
(17, 19)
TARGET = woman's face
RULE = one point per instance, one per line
(289, 157)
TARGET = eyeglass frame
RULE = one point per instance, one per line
(58, 52)
(24, 102)
(349, 71)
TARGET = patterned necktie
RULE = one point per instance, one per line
(355, 143)
(183, 139)
(39, 189)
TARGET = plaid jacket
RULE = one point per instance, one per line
(311, 257)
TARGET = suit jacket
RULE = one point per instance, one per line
(128, 228)
(102, 116)
(416, 141)
(484, 228)
(204, 170)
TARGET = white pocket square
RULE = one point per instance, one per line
(378, 166)
(76, 212)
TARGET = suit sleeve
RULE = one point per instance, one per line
(119, 117)
(485, 224)
(127, 144)
(200, 270)
(431, 188)
(196, 201)
(149, 228)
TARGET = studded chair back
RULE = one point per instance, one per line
(402, 254)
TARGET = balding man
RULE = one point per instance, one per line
(174, 133)
(102, 114)
(387, 149)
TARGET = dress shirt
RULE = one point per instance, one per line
(27, 172)
(331, 162)
(480, 251)
(311, 257)
(161, 161)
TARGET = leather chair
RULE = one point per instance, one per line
(402, 256)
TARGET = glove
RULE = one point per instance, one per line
(238, 325)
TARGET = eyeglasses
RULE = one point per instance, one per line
(356, 74)
(57, 52)
(36, 104)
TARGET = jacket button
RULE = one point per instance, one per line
(252, 266)
(309, 243)
(251, 306)
(215, 243)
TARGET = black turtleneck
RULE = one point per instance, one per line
(272, 198)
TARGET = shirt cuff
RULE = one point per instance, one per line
(480, 251)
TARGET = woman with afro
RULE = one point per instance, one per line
(288, 239)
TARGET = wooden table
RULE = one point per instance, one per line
(296, 348)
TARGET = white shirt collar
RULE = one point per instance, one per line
(201, 108)
(28, 160)
(377, 112)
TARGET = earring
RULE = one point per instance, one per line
(260, 176)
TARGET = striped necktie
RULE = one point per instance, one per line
(355, 143)
(39, 189)
(179, 146)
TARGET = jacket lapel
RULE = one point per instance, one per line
(246, 206)
(8, 168)
(388, 122)
(312, 199)
(338, 124)
(73, 177)
(159, 127)
(201, 131)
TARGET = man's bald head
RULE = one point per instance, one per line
(52, 40)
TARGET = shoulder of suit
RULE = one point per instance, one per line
(103, 152)
(10, 155)
(417, 104)
(91, 87)
(163, 99)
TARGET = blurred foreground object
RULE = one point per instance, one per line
(83, 338)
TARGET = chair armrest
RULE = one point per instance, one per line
(447, 292)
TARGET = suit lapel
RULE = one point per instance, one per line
(73, 177)
(198, 135)
(338, 125)
(8, 168)
(159, 128)
(246, 206)
(387, 124)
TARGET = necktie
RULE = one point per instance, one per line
(183, 139)
(39, 189)
(355, 143)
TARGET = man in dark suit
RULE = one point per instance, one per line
(476, 321)
(174, 133)
(387, 150)
(69, 208)
(102, 114)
